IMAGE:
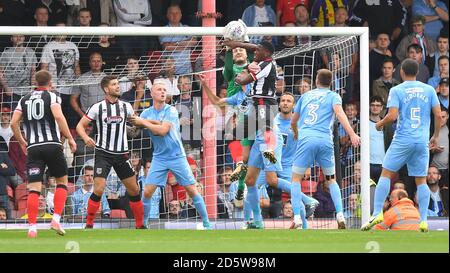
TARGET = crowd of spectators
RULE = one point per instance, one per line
(415, 29)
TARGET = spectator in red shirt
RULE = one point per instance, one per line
(285, 10)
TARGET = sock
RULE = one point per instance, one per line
(423, 196)
(32, 228)
(56, 217)
(336, 196)
(381, 193)
(200, 206)
(253, 199)
(297, 205)
(284, 185)
(33, 207)
(59, 200)
(93, 205)
(241, 183)
(137, 206)
(306, 199)
(147, 204)
(247, 210)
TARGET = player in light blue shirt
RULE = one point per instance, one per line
(283, 120)
(411, 104)
(163, 123)
(257, 161)
(312, 126)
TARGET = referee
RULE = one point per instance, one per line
(111, 148)
(42, 117)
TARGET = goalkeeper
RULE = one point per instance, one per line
(236, 60)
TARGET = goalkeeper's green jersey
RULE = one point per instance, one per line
(231, 70)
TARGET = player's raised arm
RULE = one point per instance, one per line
(211, 96)
(234, 44)
(340, 114)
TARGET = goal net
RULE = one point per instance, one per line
(78, 62)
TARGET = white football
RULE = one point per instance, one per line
(235, 31)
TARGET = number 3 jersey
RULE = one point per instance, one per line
(414, 101)
(39, 125)
(316, 113)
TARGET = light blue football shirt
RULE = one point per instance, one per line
(289, 144)
(169, 146)
(414, 101)
(316, 113)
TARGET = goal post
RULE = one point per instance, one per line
(208, 53)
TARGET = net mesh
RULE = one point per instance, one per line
(171, 206)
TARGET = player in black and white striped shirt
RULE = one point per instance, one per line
(111, 148)
(42, 117)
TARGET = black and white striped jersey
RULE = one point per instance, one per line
(111, 119)
(39, 124)
(264, 80)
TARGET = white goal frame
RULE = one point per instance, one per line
(361, 32)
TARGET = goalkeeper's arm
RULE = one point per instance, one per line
(246, 46)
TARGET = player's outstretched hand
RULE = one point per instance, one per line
(73, 145)
(89, 142)
(355, 139)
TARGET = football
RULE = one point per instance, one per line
(236, 31)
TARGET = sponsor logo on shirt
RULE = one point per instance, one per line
(34, 171)
(113, 120)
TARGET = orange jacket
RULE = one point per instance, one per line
(401, 216)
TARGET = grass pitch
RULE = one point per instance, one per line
(225, 241)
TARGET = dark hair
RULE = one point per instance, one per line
(417, 18)
(225, 169)
(132, 57)
(410, 67)
(41, 7)
(383, 33)
(268, 46)
(442, 58)
(95, 53)
(88, 168)
(388, 60)
(84, 9)
(442, 35)
(416, 47)
(376, 98)
(324, 76)
(43, 78)
(286, 93)
(106, 80)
